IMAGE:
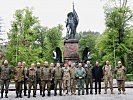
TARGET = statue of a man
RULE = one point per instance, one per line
(71, 24)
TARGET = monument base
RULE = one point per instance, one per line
(71, 50)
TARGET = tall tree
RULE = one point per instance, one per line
(117, 19)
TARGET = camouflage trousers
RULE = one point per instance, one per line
(66, 85)
(56, 82)
(73, 85)
(110, 81)
(18, 86)
(89, 81)
(80, 84)
(6, 84)
(44, 83)
(121, 85)
(30, 84)
(40, 85)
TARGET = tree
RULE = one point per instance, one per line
(117, 22)
(53, 39)
(87, 40)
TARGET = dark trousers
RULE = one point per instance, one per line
(25, 86)
(6, 84)
(98, 83)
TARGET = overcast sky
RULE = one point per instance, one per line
(54, 12)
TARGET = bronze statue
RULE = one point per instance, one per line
(71, 24)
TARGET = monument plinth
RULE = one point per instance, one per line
(71, 43)
(71, 50)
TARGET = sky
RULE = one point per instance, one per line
(54, 12)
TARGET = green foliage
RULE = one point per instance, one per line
(87, 40)
(29, 41)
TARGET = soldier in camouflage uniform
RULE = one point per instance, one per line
(80, 74)
(5, 78)
(120, 77)
(46, 77)
(19, 78)
(108, 76)
(66, 79)
(52, 81)
(25, 77)
(88, 78)
(32, 73)
(58, 74)
(72, 79)
(38, 68)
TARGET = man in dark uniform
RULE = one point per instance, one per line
(97, 76)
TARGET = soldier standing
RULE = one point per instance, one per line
(72, 79)
(97, 76)
(80, 75)
(19, 78)
(5, 78)
(58, 73)
(25, 77)
(52, 81)
(66, 79)
(108, 76)
(39, 77)
(88, 78)
(32, 73)
(120, 77)
(46, 77)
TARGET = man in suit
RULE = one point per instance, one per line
(97, 76)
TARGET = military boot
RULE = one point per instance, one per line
(49, 93)
(6, 95)
(112, 92)
(119, 92)
(20, 95)
(1, 95)
(25, 93)
(40, 92)
(105, 92)
(55, 93)
(43, 94)
(60, 92)
(28, 95)
(16, 95)
(124, 92)
(34, 94)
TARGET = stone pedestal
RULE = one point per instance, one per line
(71, 50)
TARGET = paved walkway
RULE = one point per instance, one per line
(128, 96)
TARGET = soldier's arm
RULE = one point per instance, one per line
(84, 72)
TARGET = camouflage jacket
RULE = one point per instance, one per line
(5, 72)
(107, 71)
(58, 73)
(18, 73)
(66, 73)
(32, 73)
(38, 69)
(88, 70)
(120, 73)
(46, 73)
(72, 73)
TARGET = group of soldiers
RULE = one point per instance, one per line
(65, 77)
